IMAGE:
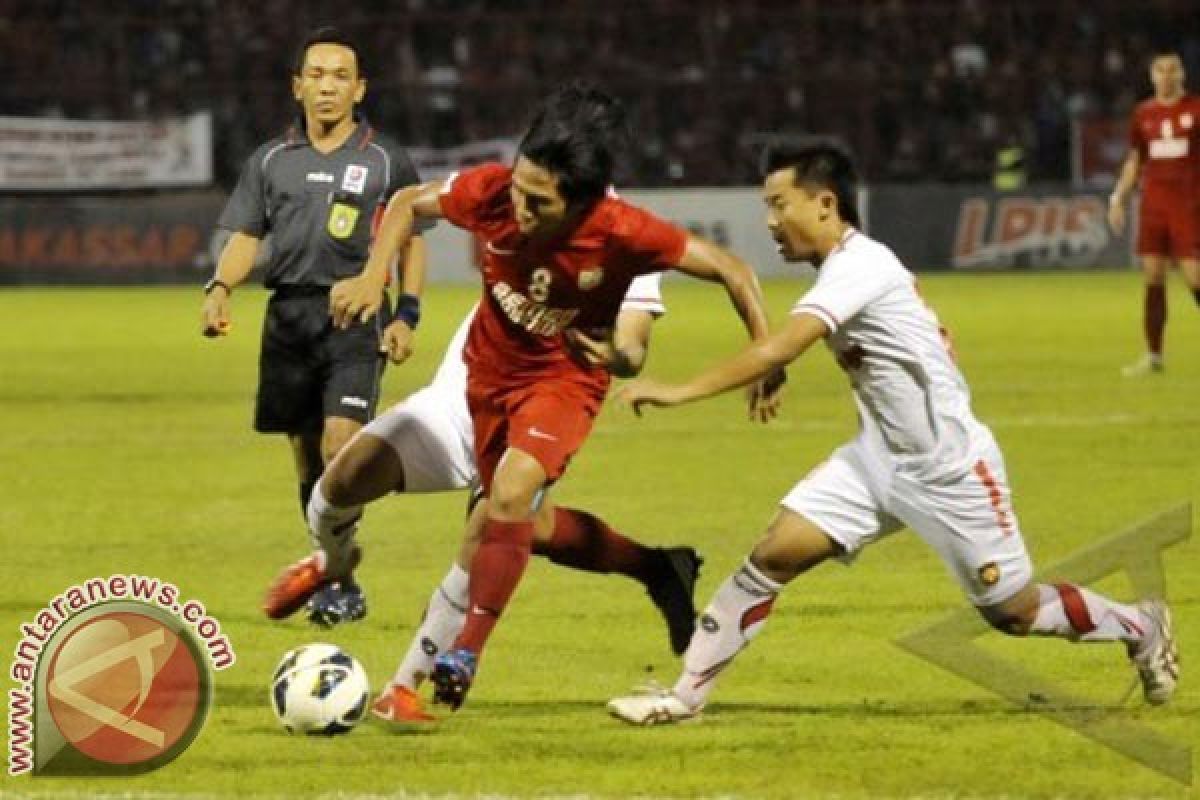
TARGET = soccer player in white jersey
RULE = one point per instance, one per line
(425, 444)
(920, 460)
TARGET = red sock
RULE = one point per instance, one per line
(496, 570)
(582, 541)
(1155, 318)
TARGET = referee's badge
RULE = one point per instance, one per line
(342, 219)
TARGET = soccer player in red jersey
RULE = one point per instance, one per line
(1164, 148)
(560, 249)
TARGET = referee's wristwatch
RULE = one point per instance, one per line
(214, 283)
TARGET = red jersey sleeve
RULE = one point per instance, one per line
(470, 195)
(650, 243)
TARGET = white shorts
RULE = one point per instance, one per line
(858, 497)
(431, 433)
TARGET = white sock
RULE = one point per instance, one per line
(444, 618)
(734, 617)
(1081, 615)
(332, 531)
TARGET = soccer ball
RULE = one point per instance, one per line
(319, 689)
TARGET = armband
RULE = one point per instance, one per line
(408, 309)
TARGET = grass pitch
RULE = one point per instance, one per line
(127, 448)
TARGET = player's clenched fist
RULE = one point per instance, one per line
(397, 342)
(1116, 217)
(214, 314)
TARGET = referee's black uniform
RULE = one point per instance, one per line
(319, 209)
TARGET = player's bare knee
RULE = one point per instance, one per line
(337, 484)
(1005, 622)
(363, 472)
(1015, 615)
(510, 503)
(775, 561)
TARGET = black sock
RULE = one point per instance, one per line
(306, 490)
(1196, 294)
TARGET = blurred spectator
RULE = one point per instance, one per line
(922, 89)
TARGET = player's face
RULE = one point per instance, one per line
(537, 204)
(1166, 73)
(328, 87)
(796, 215)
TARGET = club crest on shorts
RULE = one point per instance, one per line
(989, 574)
(591, 278)
(342, 218)
(354, 179)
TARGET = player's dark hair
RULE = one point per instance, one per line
(818, 162)
(327, 34)
(1163, 51)
(577, 133)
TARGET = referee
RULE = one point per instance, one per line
(316, 191)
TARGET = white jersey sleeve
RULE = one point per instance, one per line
(845, 286)
(645, 294)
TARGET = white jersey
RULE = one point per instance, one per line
(913, 402)
(921, 459)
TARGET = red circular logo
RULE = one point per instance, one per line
(125, 688)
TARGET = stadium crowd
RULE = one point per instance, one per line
(921, 89)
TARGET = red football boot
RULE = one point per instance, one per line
(292, 588)
(400, 705)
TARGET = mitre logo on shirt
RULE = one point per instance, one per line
(355, 179)
(537, 318)
(591, 278)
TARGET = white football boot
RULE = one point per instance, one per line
(1156, 657)
(1148, 364)
(652, 705)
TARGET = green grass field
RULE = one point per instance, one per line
(127, 448)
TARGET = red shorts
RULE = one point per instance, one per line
(548, 419)
(1169, 228)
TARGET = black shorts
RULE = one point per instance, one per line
(307, 370)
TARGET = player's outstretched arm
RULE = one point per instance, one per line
(709, 261)
(234, 265)
(760, 359)
(358, 298)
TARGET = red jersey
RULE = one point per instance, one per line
(1167, 139)
(533, 291)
